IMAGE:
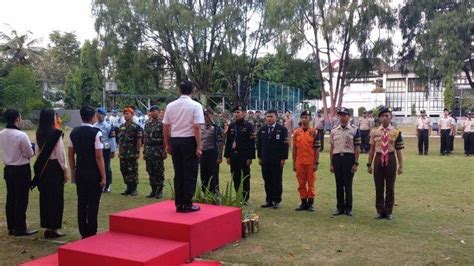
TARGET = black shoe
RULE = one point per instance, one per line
(11, 232)
(127, 191)
(389, 217)
(159, 194)
(310, 206)
(276, 205)
(26, 233)
(53, 234)
(337, 213)
(186, 209)
(349, 212)
(303, 206)
(133, 190)
(266, 205)
(379, 216)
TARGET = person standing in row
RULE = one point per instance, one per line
(154, 152)
(272, 152)
(130, 142)
(345, 143)
(182, 134)
(306, 145)
(289, 126)
(318, 124)
(423, 132)
(17, 151)
(385, 142)
(86, 159)
(446, 128)
(365, 126)
(110, 146)
(240, 150)
(51, 172)
(468, 135)
(212, 149)
(453, 132)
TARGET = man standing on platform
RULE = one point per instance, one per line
(182, 133)
(272, 152)
(468, 135)
(344, 156)
(17, 151)
(110, 146)
(130, 142)
(423, 132)
(364, 124)
(385, 142)
(154, 152)
(86, 158)
(445, 131)
(240, 150)
(306, 147)
(319, 125)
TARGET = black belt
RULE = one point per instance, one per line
(343, 154)
(379, 153)
(423, 129)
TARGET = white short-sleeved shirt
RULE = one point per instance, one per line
(16, 147)
(98, 145)
(182, 114)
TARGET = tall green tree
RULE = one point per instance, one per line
(437, 37)
(19, 50)
(335, 31)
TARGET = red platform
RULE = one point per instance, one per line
(203, 263)
(208, 229)
(113, 248)
(50, 260)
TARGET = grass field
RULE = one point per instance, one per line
(433, 217)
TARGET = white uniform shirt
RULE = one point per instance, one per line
(423, 123)
(445, 123)
(469, 125)
(16, 147)
(182, 114)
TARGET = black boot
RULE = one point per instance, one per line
(127, 191)
(153, 192)
(159, 192)
(310, 205)
(303, 206)
(133, 190)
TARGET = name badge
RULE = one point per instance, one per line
(278, 136)
(234, 145)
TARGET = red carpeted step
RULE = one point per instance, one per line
(50, 260)
(210, 228)
(112, 248)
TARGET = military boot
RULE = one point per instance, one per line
(310, 205)
(133, 190)
(303, 206)
(159, 192)
(153, 192)
(127, 191)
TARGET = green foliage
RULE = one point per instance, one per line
(413, 109)
(20, 90)
(227, 198)
(361, 110)
(19, 50)
(449, 92)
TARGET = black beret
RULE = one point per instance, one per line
(445, 110)
(154, 108)
(423, 111)
(384, 109)
(238, 108)
(364, 112)
(343, 111)
(305, 112)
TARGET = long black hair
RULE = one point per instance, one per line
(46, 126)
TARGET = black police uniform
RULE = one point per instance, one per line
(272, 147)
(240, 147)
(87, 179)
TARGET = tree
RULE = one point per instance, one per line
(19, 50)
(437, 37)
(335, 30)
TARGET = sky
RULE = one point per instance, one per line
(41, 17)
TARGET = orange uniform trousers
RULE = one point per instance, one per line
(306, 177)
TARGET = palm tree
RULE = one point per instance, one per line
(18, 49)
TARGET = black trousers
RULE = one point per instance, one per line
(364, 136)
(272, 177)
(185, 164)
(342, 164)
(51, 196)
(445, 141)
(89, 192)
(423, 141)
(321, 136)
(18, 179)
(384, 179)
(240, 174)
(469, 143)
(209, 171)
(451, 143)
(108, 170)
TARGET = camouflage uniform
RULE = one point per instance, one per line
(154, 154)
(129, 134)
(259, 122)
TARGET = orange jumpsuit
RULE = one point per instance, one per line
(305, 143)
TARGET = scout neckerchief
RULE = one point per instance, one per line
(384, 147)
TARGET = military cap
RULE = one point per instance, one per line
(238, 108)
(445, 110)
(101, 111)
(364, 112)
(154, 108)
(383, 110)
(305, 112)
(423, 111)
(343, 111)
